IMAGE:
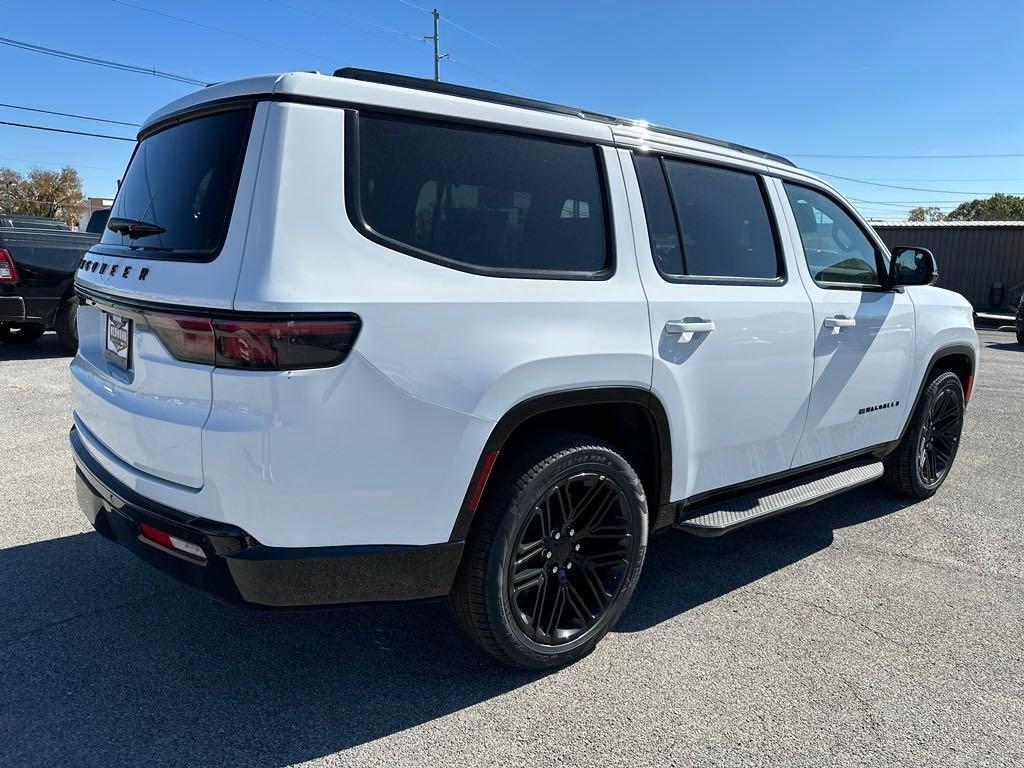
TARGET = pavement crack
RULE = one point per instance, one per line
(84, 615)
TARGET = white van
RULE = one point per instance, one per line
(371, 338)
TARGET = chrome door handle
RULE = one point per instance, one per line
(689, 326)
(839, 321)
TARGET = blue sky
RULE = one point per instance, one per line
(799, 78)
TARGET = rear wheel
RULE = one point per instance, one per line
(925, 455)
(21, 334)
(66, 324)
(555, 555)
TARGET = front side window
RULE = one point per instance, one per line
(707, 222)
(482, 200)
(836, 249)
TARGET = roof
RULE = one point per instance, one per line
(371, 88)
(902, 224)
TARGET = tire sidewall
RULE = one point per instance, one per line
(579, 459)
(942, 382)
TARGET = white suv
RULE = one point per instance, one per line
(370, 338)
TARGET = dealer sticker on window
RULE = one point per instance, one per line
(119, 340)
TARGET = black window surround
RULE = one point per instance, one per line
(881, 261)
(780, 280)
(353, 203)
(199, 256)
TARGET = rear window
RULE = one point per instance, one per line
(180, 186)
(481, 200)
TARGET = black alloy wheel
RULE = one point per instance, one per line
(554, 553)
(940, 437)
(925, 454)
(571, 558)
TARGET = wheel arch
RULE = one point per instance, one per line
(608, 413)
(961, 359)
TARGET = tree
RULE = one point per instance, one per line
(56, 194)
(931, 213)
(999, 207)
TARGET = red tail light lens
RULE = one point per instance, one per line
(8, 274)
(256, 344)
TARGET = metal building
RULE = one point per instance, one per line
(983, 260)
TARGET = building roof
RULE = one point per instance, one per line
(901, 224)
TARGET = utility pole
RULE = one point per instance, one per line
(436, 40)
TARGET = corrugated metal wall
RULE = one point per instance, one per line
(985, 264)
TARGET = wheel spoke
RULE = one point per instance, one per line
(520, 580)
(578, 604)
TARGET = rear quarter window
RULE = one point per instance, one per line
(182, 181)
(479, 200)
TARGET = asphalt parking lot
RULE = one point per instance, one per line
(862, 631)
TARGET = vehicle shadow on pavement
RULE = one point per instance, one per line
(106, 661)
(683, 571)
(44, 348)
(1005, 345)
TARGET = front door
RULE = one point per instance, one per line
(731, 326)
(864, 332)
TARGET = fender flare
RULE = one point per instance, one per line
(941, 352)
(518, 414)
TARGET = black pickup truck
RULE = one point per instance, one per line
(38, 258)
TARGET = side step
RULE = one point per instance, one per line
(720, 517)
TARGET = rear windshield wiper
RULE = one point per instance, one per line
(133, 227)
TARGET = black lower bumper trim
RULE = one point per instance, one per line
(238, 569)
(12, 309)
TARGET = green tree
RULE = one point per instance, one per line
(931, 213)
(999, 207)
(56, 194)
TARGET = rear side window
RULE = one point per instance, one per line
(835, 247)
(707, 222)
(180, 186)
(479, 200)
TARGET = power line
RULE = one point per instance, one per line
(69, 114)
(221, 30)
(352, 20)
(65, 130)
(906, 157)
(101, 62)
(894, 186)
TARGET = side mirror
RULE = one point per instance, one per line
(912, 266)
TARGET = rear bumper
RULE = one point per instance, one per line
(238, 569)
(12, 309)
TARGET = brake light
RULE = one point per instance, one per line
(8, 274)
(256, 344)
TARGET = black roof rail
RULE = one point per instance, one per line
(496, 97)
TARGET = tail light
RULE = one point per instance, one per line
(256, 344)
(8, 274)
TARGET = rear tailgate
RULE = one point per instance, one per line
(174, 241)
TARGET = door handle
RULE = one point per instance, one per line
(839, 321)
(678, 327)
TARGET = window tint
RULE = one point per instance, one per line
(661, 221)
(836, 249)
(482, 199)
(183, 180)
(724, 222)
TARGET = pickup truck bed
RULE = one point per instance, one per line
(41, 295)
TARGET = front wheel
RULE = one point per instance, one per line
(925, 455)
(555, 555)
(66, 324)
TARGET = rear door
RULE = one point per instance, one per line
(864, 332)
(174, 240)
(731, 328)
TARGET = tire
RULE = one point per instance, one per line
(541, 621)
(921, 463)
(66, 324)
(1020, 334)
(22, 334)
